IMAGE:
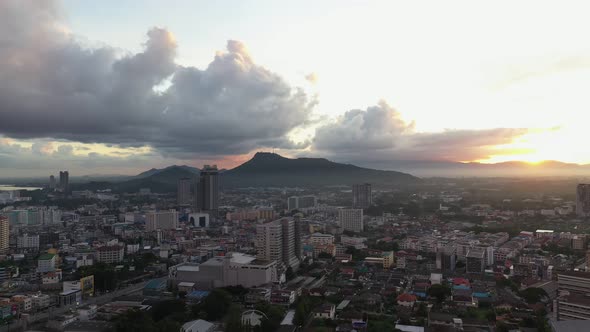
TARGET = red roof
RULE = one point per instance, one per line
(405, 297)
(460, 281)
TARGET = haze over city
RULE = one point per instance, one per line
(114, 87)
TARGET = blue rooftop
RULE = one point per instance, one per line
(198, 294)
(155, 284)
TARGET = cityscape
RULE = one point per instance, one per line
(158, 175)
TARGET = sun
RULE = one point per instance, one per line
(539, 146)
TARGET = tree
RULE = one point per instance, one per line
(289, 274)
(165, 308)
(216, 304)
(325, 255)
(440, 292)
(135, 321)
(300, 314)
(533, 295)
(168, 324)
(422, 310)
(233, 321)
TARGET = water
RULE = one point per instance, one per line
(8, 187)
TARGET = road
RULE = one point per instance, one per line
(98, 300)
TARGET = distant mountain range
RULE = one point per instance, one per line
(504, 169)
(263, 170)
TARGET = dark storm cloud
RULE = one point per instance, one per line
(379, 135)
(52, 86)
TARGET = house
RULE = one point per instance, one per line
(198, 325)
(326, 311)
(406, 300)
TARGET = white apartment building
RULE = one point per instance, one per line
(161, 220)
(110, 254)
(27, 241)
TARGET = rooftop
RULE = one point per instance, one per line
(46, 257)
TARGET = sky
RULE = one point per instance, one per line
(117, 87)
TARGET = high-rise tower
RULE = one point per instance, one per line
(362, 197)
(207, 196)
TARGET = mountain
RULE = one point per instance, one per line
(270, 169)
(158, 180)
(168, 170)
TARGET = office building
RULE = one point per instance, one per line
(351, 219)
(64, 181)
(446, 259)
(230, 270)
(293, 203)
(362, 196)
(475, 260)
(183, 196)
(279, 241)
(27, 241)
(161, 220)
(4, 234)
(572, 303)
(583, 200)
(207, 196)
(52, 182)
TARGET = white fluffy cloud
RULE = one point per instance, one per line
(54, 87)
(379, 135)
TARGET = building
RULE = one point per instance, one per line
(325, 311)
(301, 202)
(4, 234)
(583, 200)
(52, 182)
(161, 220)
(475, 260)
(385, 259)
(579, 242)
(110, 254)
(321, 239)
(362, 197)
(573, 301)
(351, 219)
(207, 196)
(199, 219)
(574, 282)
(27, 241)
(230, 270)
(183, 196)
(64, 181)
(277, 241)
(198, 325)
(446, 258)
(46, 263)
(293, 203)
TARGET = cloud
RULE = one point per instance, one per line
(379, 135)
(55, 87)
